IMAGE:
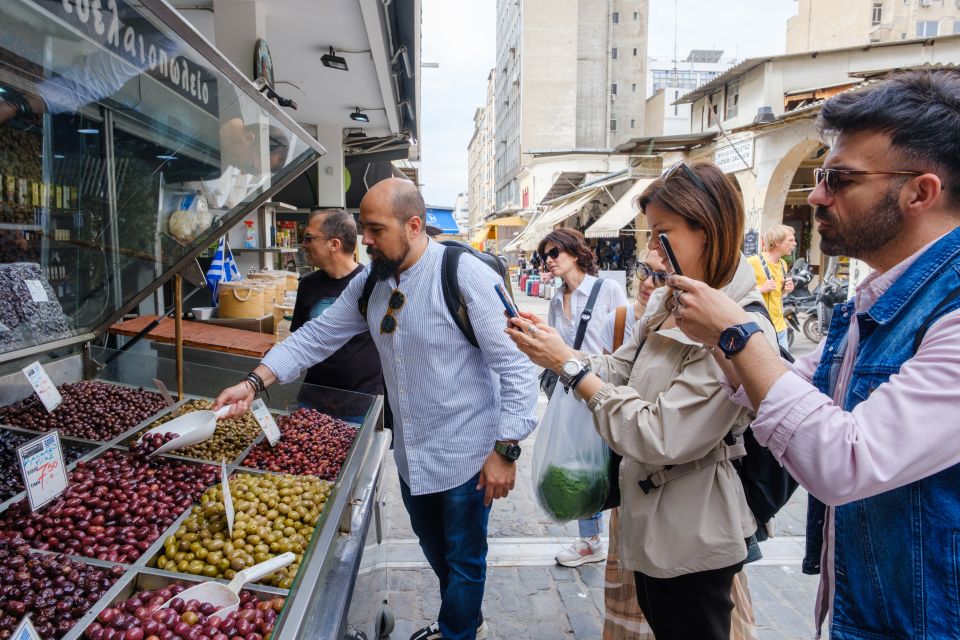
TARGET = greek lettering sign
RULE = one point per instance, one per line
(124, 31)
(751, 243)
(735, 157)
(44, 472)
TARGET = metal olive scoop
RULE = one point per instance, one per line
(190, 428)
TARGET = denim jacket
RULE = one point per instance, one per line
(897, 554)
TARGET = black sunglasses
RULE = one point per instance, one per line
(831, 177)
(681, 167)
(645, 271)
(389, 323)
(553, 254)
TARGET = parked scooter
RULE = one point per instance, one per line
(800, 297)
(829, 293)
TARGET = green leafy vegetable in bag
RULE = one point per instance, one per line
(568, 493)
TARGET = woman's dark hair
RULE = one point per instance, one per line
(919, 110)
(572, 242)
(714, 207)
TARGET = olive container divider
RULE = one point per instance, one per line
(143, 579)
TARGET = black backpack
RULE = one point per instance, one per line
(766, 484)
(451, 285)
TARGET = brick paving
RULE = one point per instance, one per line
(530, 597)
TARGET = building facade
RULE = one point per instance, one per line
(828, 24)
(480, 159)
(669, 78)
(570, 75)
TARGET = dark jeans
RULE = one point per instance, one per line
(694, 605)
(816, 514)
(452, 528)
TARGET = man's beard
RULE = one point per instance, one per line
(382, 267)
(864, 233)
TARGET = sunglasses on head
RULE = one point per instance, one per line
(389, 323)
(831, 177)
(682, 168)
(645, 271)
(553, 254)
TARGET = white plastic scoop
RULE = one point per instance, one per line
(226, 597)
(190, 428)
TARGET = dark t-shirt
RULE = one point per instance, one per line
(356, 366)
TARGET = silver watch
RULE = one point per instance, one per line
(569, 371)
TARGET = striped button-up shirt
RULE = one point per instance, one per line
(450, 401)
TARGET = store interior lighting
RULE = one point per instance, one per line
(333, 61)
(359, 116)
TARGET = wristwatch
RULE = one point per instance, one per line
(734, 339)
(572, 372)
(508, 450)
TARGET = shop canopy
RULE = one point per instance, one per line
(557, 213)
(443, 220)
(481, 236)
(620, 214)
(508, 221)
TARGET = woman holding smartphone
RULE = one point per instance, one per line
(566, 256)
(684, 520)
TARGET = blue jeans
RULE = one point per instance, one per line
(590, 527)
(783, 337)
(452, 529)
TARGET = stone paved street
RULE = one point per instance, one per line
(528, 596)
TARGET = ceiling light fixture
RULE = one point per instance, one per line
(88, 132)
(333, 61)
(359, 116)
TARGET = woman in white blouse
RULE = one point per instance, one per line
(566, 256)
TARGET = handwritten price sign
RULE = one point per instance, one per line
(43, 385)
(43, 469)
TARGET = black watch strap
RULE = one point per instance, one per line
(508, 450)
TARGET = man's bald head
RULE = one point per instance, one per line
(397, 195)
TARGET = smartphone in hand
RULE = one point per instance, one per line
(507, 302)
(671, 256)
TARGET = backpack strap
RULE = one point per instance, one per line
(938, 312)
(451, 292)
(718, 455)
(758, 307)
(619, 327)
(587, 313)
(364, 300)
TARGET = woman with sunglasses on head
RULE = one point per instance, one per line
(663, 407)
(566, 256)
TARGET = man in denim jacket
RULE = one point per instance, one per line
(868, 423)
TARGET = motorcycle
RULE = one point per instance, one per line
(798, 299)
(829, 293)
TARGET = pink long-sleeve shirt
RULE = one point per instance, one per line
(905, 431)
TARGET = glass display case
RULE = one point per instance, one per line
(332, 444)
(128, 145)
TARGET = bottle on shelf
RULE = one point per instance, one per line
(249, 236)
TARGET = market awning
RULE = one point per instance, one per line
(443, 220)
(531, 236)
(509, 221)
(620, 214)
(481, 236)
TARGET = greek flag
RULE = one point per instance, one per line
(222, 269)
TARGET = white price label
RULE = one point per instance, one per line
(44, 386)
(25, 631)
(43, 469)
(37, 292)
(227, 498)
(164, 392)
(263, 417)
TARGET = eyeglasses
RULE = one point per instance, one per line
(831, 177)
(552, 254)
(307, 238)
(389, 324)
(681, 167)
(645, 271)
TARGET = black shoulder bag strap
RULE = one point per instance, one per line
(450, 284)
(758, 307)
(936, 315)
(364, 300)
(587, 313)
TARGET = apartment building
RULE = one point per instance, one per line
(480, 159)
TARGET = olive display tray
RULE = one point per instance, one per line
(143, 579)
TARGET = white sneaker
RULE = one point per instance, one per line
(582, 551)
(432, 632)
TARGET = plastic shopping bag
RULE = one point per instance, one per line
(570, 461)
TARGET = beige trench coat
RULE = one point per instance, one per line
(668, 408)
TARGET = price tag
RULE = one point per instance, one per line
(262, 415)
(37, 292)
(43, 469)
(25, 631)
(43, 385)
(227, 498)
(164, 392)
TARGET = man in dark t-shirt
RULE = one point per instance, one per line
(328, 243)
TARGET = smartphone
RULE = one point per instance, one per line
(507, 302)
(671, 256)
